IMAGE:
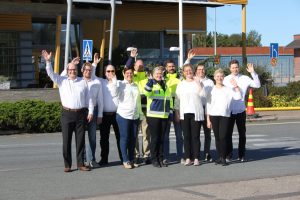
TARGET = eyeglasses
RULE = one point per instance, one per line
(88, 70)
(71, 69)
(110, 71)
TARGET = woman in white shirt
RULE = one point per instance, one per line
(129, 113)
(189, 110)
(218, 112)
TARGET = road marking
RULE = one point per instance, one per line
(281, 143)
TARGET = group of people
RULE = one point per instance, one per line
(149, 104)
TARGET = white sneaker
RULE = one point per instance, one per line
(94, 164)
(182, 161)
(196, 162)
(188, 162)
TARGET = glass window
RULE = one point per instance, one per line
(148, 43)
(140, 39)
(8, 54)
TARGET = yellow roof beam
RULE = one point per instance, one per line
(231, 1)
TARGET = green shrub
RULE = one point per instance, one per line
(260, 100)
(291, 90)
(30, 116)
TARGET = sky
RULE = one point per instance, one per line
(276, 20)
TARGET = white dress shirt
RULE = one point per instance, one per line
(95, 89)
(238, 106)
(74, 94)
(129, 100)
(188, 99)
(110, 96)
(109, 91)
(219, 101)
(208, 86)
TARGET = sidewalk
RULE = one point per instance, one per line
(276, 115)
(285, 187)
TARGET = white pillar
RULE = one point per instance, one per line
(111, 34)
(180, 35)
(67, 45)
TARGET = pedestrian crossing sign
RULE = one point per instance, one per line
(87, 50)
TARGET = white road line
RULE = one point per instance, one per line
(281, 143)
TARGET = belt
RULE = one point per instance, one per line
(73, 110)
(109, 113)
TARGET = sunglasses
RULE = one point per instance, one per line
(110, 71)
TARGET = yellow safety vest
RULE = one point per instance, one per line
(159, 102)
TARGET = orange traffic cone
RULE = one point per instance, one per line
(250, 104)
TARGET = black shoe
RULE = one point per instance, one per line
(229, 158)
(156, 164)
(147, 161)
(103, 162)
(163, 163)
(223, 162)
(242, 159)
(218, 161)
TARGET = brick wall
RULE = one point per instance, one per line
(297, 64)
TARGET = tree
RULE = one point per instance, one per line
(223, 40)
(254, 39)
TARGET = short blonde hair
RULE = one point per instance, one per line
(218, 71)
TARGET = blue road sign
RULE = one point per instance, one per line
(87, 50)
(274, 51)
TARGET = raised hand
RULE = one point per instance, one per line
(233, 82)
(47, 56)
(76, 60)
(134, 53)
(97, 58)
(191, 54)
(111, 77)
(250, 67)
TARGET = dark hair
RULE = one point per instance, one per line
(169, 61)
(126, 69)
(110, 66)
(234, 61)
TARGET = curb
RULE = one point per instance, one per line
(261, 119)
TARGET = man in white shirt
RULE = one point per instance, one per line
(95, 90)
(110, 105)
(208, 85)
(75, 98)
(238, 113)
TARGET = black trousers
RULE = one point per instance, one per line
(220, 128)
(108, 120)
(157, 128)
(191, 136)
(207, 136)
(73, 122)
(240, 120)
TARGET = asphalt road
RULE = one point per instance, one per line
(31, 166)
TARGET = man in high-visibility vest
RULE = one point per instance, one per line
(172, 80)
